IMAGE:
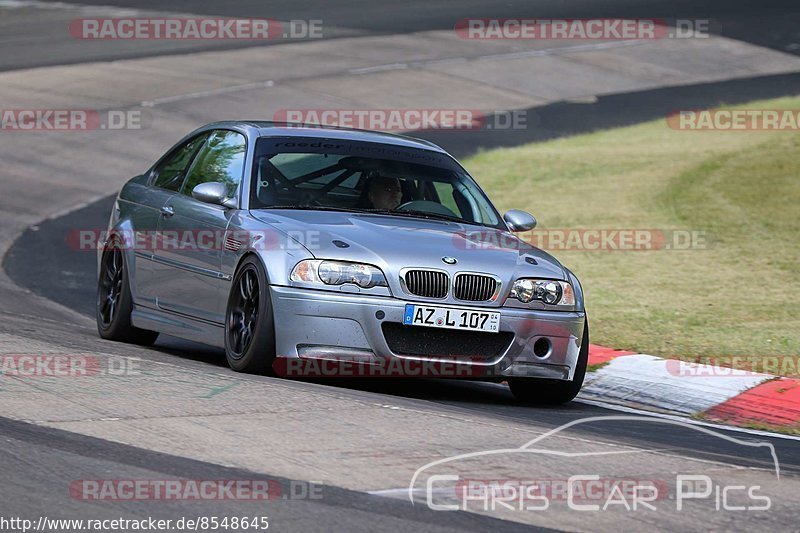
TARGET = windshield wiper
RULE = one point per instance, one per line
(417, 214)
(408, 214)
(317, 208)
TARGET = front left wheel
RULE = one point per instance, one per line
(249, 323)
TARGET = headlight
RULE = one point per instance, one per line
(550, 292)
(338, 273)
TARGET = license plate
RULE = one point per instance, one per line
(450, 318)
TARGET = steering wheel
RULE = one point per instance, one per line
(426, 206)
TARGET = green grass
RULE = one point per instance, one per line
(761, 426)
(736, 297)
(597, 366)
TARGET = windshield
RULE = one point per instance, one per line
(316, 173)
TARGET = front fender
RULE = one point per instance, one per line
(278, 252)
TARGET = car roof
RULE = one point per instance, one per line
(266, 128)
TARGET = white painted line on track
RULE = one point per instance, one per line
(210, 92)
(499, 57)
(99, 10)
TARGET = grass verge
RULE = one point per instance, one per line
(740, 191)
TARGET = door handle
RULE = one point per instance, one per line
(167, 211)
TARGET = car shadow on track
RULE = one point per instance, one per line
(191, 351)
(438, 390)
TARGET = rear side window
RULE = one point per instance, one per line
(169, 173)
(221, 160)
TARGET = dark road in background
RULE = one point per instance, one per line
(32, 38)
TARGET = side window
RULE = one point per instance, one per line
(221, 159)
(169, 173)
(446, 198)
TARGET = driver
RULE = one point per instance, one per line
(384, 192)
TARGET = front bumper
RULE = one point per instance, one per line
(318, 324)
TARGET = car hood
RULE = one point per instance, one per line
(394, 242)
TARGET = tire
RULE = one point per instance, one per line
(115, 303)
(249, 322)
(553, 391)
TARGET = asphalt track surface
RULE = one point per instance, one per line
(41, 39)
(61, 457)
(38, 462)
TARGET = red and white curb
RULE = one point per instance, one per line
(720, 394)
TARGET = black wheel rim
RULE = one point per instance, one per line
(110, 286)
(243, 313)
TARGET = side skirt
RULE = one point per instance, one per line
(180, 326)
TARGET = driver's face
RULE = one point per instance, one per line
(385, 193)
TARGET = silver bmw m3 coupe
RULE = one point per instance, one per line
(293, 246)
